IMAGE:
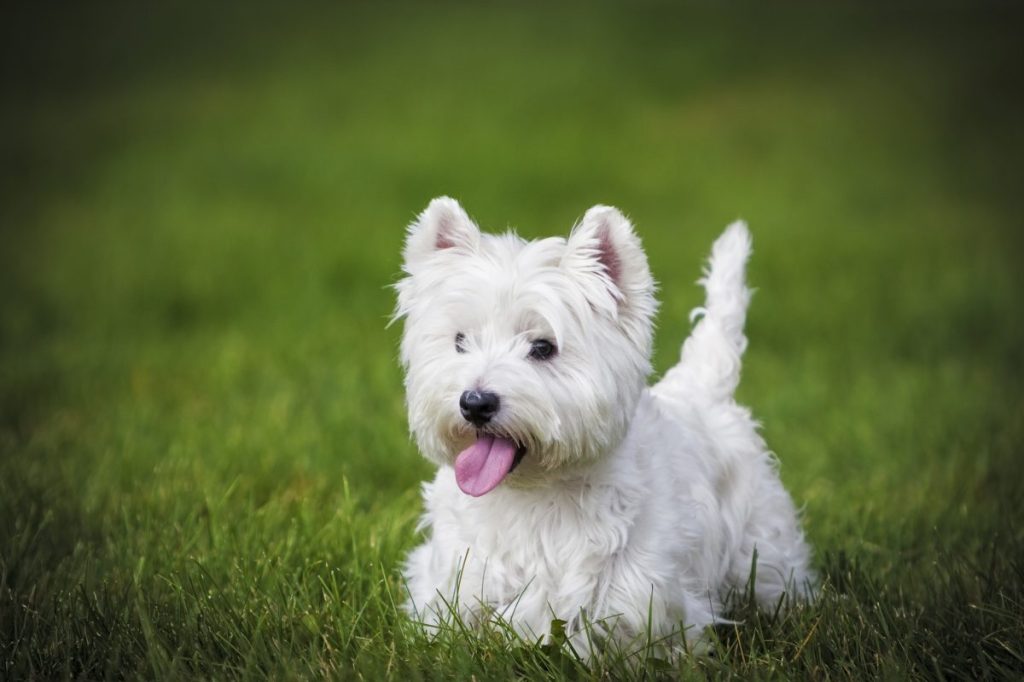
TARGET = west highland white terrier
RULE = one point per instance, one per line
(567, 488)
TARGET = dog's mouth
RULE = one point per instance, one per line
(520, 453)
(484, 464)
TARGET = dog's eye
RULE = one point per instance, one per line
(460, 343)
(542, 349)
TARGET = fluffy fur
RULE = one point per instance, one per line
(638, 508)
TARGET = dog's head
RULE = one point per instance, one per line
(522, 355)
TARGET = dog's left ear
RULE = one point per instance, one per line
(604, 249)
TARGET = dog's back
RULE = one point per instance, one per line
(704, 382)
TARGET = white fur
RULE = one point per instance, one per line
(637, 508)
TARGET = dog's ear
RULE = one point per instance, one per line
(442, 225)
(604, 249)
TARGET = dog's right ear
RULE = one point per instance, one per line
(442, 225)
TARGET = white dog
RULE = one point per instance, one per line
(566, 487)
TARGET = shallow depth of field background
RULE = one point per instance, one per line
(204, 462)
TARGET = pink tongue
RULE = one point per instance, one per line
(481, 466)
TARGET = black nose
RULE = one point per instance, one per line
(479, 406)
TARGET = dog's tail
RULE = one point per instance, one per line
(710, 359)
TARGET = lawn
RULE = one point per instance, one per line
(205, 469)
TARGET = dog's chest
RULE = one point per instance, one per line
(557, 545)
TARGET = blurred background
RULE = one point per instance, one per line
(202, 210)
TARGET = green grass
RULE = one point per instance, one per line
(204, 464)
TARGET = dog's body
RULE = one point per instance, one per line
(567, 488)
